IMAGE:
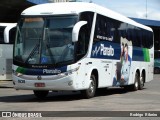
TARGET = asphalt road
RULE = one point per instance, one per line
(117, 99)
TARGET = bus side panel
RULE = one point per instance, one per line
(82, 78)
(102, 66)
(6, 61)
(151, 65)
(143, 59)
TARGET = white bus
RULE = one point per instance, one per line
(7, 37)
(80, 47)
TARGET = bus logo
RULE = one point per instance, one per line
(105, 51)
(55, 71)
(39, 77)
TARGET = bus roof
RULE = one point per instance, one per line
(76, 8)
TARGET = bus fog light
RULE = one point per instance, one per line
(70, 83)
(18, 74)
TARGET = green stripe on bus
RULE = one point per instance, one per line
(146, 55)
(20, 70)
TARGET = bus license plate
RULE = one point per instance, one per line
(39, 84)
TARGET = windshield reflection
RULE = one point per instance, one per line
(45, 40)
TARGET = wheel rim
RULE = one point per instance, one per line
(141, 81)
(92, 86)
(136, 84)
(136, 81)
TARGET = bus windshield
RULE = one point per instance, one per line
(45, 40)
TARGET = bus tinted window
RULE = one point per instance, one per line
(147, 39)
(136, 38)
(2, 34)
(156, 54)
(150, 39)
(112, 30)
(122, 30)
(106, 29)
(144, 40)
(84, 34)
(12, 34)
(133, 35)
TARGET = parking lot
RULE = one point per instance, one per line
(117, 99)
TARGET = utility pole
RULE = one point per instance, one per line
(146, 9)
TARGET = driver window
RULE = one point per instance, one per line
(84, 34)
(81, 45)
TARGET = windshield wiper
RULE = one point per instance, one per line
(32, 52)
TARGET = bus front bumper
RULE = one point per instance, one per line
(46, 83)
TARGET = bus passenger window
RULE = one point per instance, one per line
(2, 34)
(12, 35)
(82, 44)
(84, 34)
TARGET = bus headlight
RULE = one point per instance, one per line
(69, 72)
(17, 74)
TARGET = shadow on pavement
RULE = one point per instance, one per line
(60, 96)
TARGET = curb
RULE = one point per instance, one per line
(6, 84)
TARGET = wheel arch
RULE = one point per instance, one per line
(95, 73)
(138, 71)
(143, 73)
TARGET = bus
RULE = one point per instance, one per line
(157, 61)
(7, 37)
(80, 47)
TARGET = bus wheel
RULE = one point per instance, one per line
(90, 92)
(41, 93)
(136, 83)
(141, 82)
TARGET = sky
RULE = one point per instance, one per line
(133, 8)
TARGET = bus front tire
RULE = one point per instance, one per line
(90, 92)
(41, 94)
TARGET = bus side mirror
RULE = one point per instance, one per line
(75, 31)
(6, 35)
(7, 31)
